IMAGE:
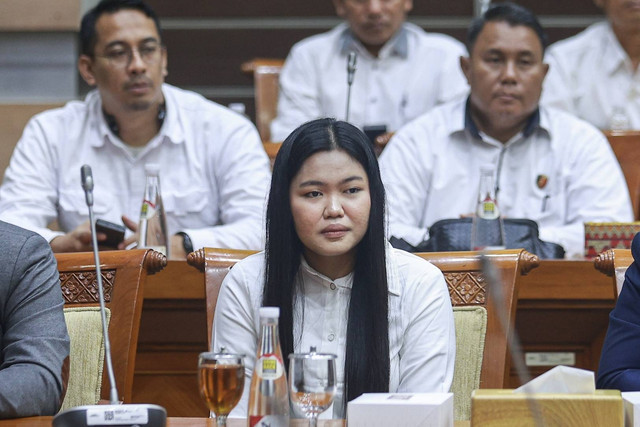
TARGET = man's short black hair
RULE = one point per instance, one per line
(510, 13)
(88, 37)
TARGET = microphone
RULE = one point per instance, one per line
(87, 184)
(494, 285)
(113, 414)
(351, 72)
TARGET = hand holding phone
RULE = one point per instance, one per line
(114, 233)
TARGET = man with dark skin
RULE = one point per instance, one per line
(431, 167)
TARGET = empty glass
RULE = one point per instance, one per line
(312, 382)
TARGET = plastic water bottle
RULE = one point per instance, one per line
(152, 228)
(269, 394)
(487, 232)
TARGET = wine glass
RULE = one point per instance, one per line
(221, 380)
(312, 382)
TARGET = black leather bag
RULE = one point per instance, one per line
(455, 235)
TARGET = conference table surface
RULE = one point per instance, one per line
(185, 422)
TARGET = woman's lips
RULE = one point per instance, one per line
(334, 231)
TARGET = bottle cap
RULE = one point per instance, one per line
(152, 169)
(270, 312)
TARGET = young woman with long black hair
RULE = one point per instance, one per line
(339, 285)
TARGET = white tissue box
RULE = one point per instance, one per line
(631, 408)
(401, 409)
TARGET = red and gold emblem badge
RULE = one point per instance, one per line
(541, 181)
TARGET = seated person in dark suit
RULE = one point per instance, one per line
(620, 361)
(33, 335)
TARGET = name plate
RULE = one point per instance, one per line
(550, 358)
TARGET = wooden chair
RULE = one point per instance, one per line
(468, 289)
(272, 149)
(123, 277)
(626, 147)
(614, 263)
(266, 74)
(215, 263)
(463, 274)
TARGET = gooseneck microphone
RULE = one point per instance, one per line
(351, 72)
(114, 413)
(494, 285)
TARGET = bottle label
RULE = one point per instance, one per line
(268, 421)
(488, 210)
(269, 367)
(148, 209)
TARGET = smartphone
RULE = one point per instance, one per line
(114, 232)
(373, 131)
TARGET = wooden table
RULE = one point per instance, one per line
(184, 422)
(563, 308)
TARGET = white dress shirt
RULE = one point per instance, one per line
(421, 328)
(413, 72)
(214, 173)
(590, 75)
(560, 172)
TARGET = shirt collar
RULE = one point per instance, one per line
(171, 129)
(307, 270)
(398, 45)
(533, 122)
(614, 55)
(393, 284)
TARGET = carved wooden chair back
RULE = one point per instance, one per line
(123, 277)
(464, 277)
(215, 263)
(614, 263)
(266, 74)
(467, 287)
(626, 147)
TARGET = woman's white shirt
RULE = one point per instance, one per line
(421, 327)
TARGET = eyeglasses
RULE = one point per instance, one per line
(122, 56)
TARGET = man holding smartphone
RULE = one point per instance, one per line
(213, 169)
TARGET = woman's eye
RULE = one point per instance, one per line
(313, 194)
(353, 190)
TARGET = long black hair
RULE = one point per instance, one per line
(367, 351)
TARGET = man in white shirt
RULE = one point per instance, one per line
(402, 71)
(214, 173)
(550, 166)
(594, 74)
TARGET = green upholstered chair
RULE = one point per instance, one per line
(471, 328)
(468, 288)
(86, 356)
(123, 276)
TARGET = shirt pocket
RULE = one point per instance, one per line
(189, 203)
(74, 202)
(542, 198)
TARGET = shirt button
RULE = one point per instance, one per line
(333, 286)
(331, 337)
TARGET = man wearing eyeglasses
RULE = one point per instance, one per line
(214, 172)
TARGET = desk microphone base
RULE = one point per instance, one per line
(130, 415)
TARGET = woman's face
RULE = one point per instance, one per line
(330, 203)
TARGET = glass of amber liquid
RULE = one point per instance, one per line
(221, 379)
(312, 382)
